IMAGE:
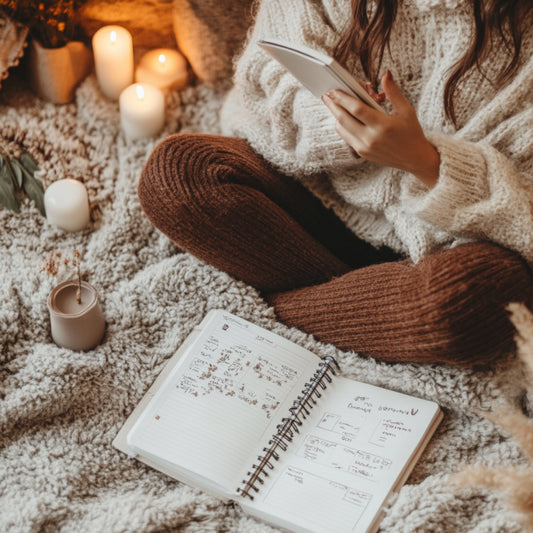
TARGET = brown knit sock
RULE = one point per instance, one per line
(450, 307)
(217, 199)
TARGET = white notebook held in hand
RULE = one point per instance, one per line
(249, 416)
(316, 71)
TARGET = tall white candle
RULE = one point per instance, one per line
(163, 67)
(113, 59)
(67, 205)
(142, 110)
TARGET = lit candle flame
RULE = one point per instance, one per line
(162, 58)
(113, 36)
(140, 92)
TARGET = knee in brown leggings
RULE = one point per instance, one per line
(220, 201)
(177, 186)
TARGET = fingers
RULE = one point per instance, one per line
(354, 106)
(394, 94)
(346, 121)
(381, 137)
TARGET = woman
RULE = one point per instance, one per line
(435, 198)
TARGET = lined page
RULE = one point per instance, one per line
(226, 395)
(350, 452)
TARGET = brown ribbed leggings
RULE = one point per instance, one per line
(217, 199)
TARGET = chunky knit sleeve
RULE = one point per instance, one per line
(485, 186)
(283, 121)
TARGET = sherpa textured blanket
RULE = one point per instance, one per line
(60, 409)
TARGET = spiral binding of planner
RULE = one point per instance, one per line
(289, 426)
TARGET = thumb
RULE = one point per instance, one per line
(394, 94)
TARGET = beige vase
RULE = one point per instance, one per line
(54, 73)
(78, 326)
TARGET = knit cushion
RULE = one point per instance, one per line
(209, 33)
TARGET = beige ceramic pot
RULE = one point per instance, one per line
(54, 73)
(78, 326)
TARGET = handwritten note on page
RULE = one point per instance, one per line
(354, 446)
(224, 397)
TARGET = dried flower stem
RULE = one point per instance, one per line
(53, 263)
(76, 263)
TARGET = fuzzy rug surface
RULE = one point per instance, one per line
(60, 410)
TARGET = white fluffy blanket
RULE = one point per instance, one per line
(60, 409)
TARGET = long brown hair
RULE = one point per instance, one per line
(495, 23)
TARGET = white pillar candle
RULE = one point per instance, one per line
(142, 110)
(67, 205)
(113, 59)
(164, 68)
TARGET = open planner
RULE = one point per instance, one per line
(252, 417)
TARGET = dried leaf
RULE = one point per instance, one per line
(8, 161)
(8, 193)
(17, 171)
(28, 162)
(35, 191)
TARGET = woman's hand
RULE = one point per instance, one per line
(396, 140)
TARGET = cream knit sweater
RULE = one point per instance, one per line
(485, 186)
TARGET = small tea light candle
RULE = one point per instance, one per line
(113, 59)
(67, 205)
(142, 110)
(164, 68)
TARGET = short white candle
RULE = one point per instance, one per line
(113, 59)
(164, 68)
(67, 205)
(142, 110)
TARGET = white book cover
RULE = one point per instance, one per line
(316, 71)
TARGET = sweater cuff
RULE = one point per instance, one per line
(462, 182)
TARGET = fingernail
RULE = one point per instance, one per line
(389, 75)
(331, 94)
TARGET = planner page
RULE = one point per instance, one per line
(350, 452)
(223, 399)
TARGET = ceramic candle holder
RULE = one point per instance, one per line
(77, 326)
(54, 73)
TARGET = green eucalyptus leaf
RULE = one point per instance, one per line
(17, 171)
(8, 193)
(28, 162)
(11, 172)
(35, 191)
